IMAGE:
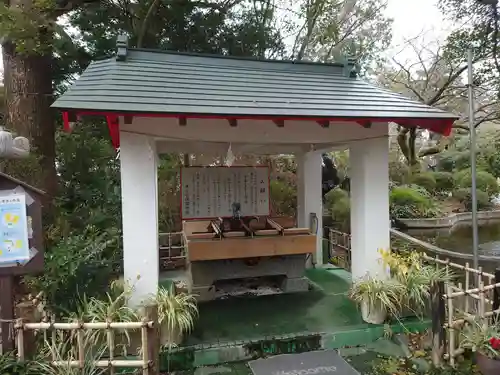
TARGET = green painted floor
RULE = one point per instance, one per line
(361, 359)
(241, 328)
(325, 309)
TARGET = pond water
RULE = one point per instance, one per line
(459, 238)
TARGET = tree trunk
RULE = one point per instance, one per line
(28, 96)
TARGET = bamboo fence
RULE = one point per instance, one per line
(145, 360)
(339, 248)
(473, 296)
(464, 306)
(173, 250)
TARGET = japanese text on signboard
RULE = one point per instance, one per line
(14, 246)
(209, 192)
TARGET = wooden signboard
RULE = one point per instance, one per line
(21, 242)
(209, 192)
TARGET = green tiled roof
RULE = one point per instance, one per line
(143, 81)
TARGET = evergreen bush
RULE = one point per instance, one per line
(408, 202)
(484, 181)
(444, 181)
(424, 179)
(464, 196)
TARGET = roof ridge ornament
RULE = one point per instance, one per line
(351, 67)
(121, 47)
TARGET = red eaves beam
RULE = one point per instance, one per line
(438, 125)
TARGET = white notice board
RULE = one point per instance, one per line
(209, 192)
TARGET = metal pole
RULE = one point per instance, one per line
(472, 128)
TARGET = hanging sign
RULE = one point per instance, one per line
(210, 192)
(14, 231)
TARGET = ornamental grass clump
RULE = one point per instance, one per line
(176, 315)
(113, 308)
(377, 298)
(417, 278)
(66, 352)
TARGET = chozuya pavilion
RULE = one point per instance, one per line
(162, 102)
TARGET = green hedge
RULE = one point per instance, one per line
(444, 181)
(464, 196)
(484, 181)
(412, 202)
(339, 205)
(425, 180)
(283, 198)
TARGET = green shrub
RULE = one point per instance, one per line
(484, 181)
(464, 196)
(335, 195)
(444, 181)
(424, 179)
(419, 189)
(406, 202)
(341, 213)
(283, 198)
(398, 172)
(77, 265)
(339, 205)
(494, 164)
(10, 365)
(454, 160)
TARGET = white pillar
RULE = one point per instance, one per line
(370, 223)
(309, 197)
(139, 180)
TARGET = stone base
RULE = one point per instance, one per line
(203, 293)
(296, 284)
(209, 272)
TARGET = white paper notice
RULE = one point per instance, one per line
(209, 192)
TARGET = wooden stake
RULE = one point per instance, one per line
(451, 331)
(80, 337)
(482, 308)
(26, 311)
(438, 320)
(461, 301)
(20, 340)
(110, 333)
(479, 276)
(145, 349)
(467, 285)
(7, 312)
(153, 339)
(496, 294)
(54, 338)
